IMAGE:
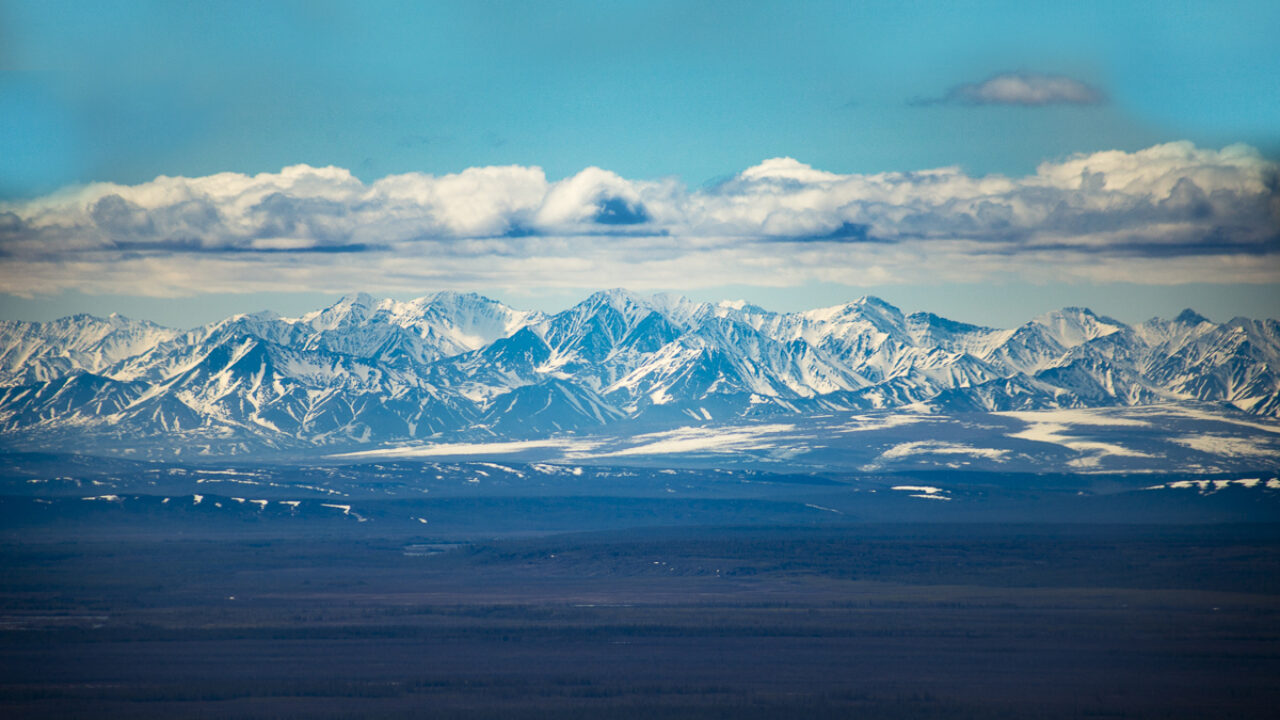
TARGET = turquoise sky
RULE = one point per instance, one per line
(127, 91)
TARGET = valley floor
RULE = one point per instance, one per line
(856, 620)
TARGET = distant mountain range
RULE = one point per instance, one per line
(366, 371)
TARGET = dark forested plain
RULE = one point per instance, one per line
(787, 597)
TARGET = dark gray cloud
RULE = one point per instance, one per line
(179, 246)
(618, 211)
(119, 217)
(848, 232)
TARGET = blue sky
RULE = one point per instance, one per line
(695, 92)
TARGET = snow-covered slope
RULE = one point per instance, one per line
(368, 370)
(35, 351)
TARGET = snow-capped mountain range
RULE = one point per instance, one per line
(448, 365)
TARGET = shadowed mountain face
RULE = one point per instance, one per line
(449, 365)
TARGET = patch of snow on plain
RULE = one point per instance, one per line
(1207, 487)
(1200, 414)
(503, 468)
(494, 448)
(926, 489)
(884, 422)
(1052, 426)
(1079, 416)
(547, 469)
(934, 447)
(1086, 462)
(1225, 446)
(696, 439)
(922, 491)
(346, 510)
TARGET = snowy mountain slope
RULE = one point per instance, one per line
(370, 371)
(548, 407)
(1234, 362)
(420, 331)
(386, 332)
(77, 397)
(35, 351)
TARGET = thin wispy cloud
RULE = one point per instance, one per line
(1025, 89)
(1169, 214)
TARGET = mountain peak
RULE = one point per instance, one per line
(874, 301)
(360, 299)
(1190, 317)
(82, 318)
(1076, 315)
(933, 321)
(452, 296)
(614, 296)
(742, 306)
(1072, 314)
(631, 305)
(867, 307)
(348, 308)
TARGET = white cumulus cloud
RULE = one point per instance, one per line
(1169, 214)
